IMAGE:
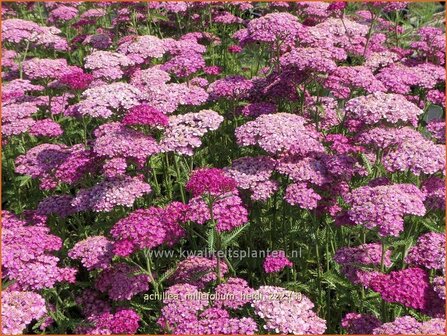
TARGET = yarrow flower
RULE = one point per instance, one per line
(19, 309)
(94, 252)
(274, 27)
(233, 294)
(105, 100)
(45, 68)
(228, 212)
(121, 283)
(46, 128)
(439, 287)
(407, 325)
(101, 319)
(62, 13)
(116, 140)
(188, 314)
(356, 323)
(149, 228)
(21, 31)
(360, 264)
(385, 206)
(185, 131)
(410, 287)
(280, 132)
(276, 261)
(27, 255)
(106, 195)
(437, 129)
(309, 59)
(286, 312)
(107, 64)
(140, 48)
(300, 194)
(230, 87)
(55, 163)
(385, 107)
(429, 251)
(209, 181)
(256, 109)
(346, 78)
(253, 173)
(59, 205)
(145, 115)
(416, 154)
(434, 188)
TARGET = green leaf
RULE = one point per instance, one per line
(158, 17)
(166, 275)
(24, 180)
(367, 163)
(228, 238)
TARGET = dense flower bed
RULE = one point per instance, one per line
(217, 168)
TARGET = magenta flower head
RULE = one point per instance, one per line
(212, 70)
(210, 180)
(338, 5)
(145, 115)
(234, 49)
(410, 287)
(125, 321)
(276, 262)
(76, 80)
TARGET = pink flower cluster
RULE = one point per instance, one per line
(94, 252)
(254, 174)
(19, 309)
(145, 115)
(28, 255)
(356, 323)
(209, 181)
(429, 251)
(185, 131)
(228, 212)
(280, 132)
(149, 228)
(286, 312)
(121, 282)
(276, 261)
(407, 325)
(107, 194)
(385, 206)
(361, 264)
(410, 287)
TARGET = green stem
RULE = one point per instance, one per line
(23, 60)
(177, 171)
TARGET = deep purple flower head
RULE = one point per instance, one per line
(356, 323)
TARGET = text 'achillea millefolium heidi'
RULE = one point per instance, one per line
(223, 168)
